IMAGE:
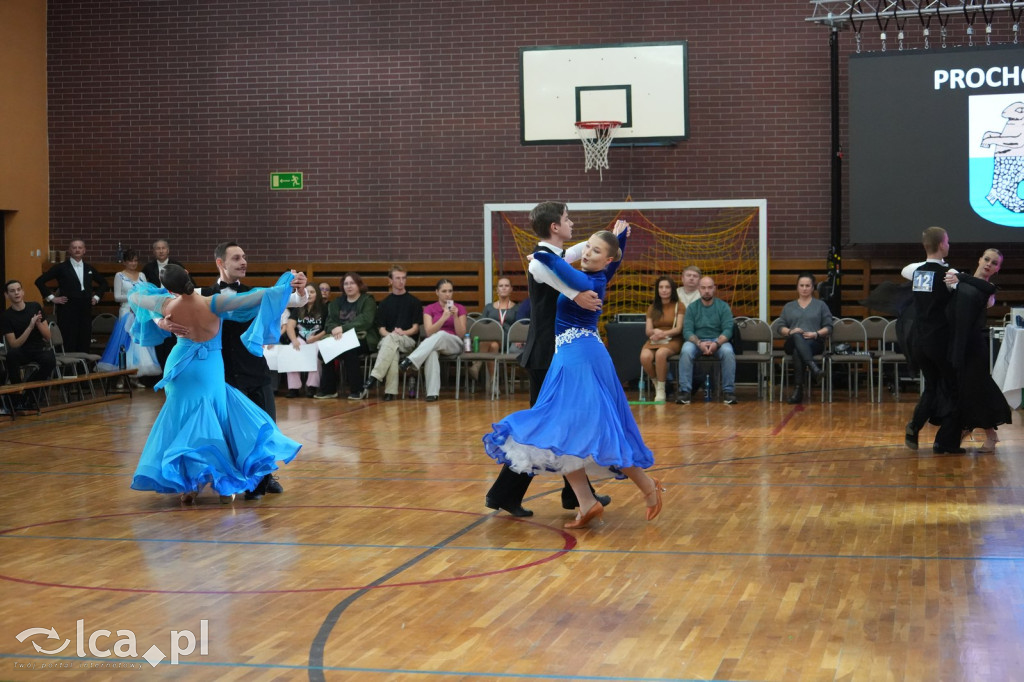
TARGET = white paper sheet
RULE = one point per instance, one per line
(331, 347)
(270, 355)
(302, 360)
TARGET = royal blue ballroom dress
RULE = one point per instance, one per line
(582, 417)
(207, 432)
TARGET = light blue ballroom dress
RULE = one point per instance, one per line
(207, 432)
(138, 357)
(582, 417)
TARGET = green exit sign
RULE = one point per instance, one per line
(286, 181)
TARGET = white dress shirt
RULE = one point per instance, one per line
(545, 275)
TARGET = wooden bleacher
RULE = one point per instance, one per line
(82, 382)
(860, 276)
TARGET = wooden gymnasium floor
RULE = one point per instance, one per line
(795, 544)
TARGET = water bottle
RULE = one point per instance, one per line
(476, 344)
(640, 385)
(707, 388)
(122, 359)
(467, 343)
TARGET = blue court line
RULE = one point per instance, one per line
(330, 668)
(546, 550)
(319, 643)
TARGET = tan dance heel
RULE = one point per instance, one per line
(594, 513)
(654, 509)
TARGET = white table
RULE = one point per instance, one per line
(1008, 371)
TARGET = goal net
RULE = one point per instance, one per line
(726, 240)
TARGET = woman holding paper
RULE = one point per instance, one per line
(353, 310)
(305, 325)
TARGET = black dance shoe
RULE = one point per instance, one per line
(910, 436)
(605, 500)
(513, 509)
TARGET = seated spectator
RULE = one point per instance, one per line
(664, 333)
(398, 324)
(324, 291)
(305, 325)
(26, 335)
(688, 293)
(444, 323)
(805, 324)
(354, 309)
(504, 311)
(524, 309)
(707, 329)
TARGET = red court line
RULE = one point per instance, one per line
(785, 420)
(568, 543)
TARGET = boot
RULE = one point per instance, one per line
(797, 397)
(659, 391)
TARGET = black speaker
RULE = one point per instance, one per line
(625, 340)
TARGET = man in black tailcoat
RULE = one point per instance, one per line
(152, 271)
(80, 288)
(243, 370)
(929, 339)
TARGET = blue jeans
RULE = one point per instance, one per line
(724, 353)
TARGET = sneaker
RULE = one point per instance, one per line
(730, 399)
(358, 395)
(683, 398)
(292, 393)
(325, 396)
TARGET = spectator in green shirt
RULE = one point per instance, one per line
(707, 330)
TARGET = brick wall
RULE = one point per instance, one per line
(166, 119)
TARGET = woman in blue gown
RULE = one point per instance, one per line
(582, 417)
(137, 357)
(207, 432)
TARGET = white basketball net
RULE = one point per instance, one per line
(597, 138)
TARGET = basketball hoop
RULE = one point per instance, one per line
(597, 138)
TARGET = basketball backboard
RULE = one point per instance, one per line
(643, 85)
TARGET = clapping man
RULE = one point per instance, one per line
(25, 333)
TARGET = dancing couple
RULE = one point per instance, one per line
(581, 419)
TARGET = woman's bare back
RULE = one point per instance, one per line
(193, 312)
